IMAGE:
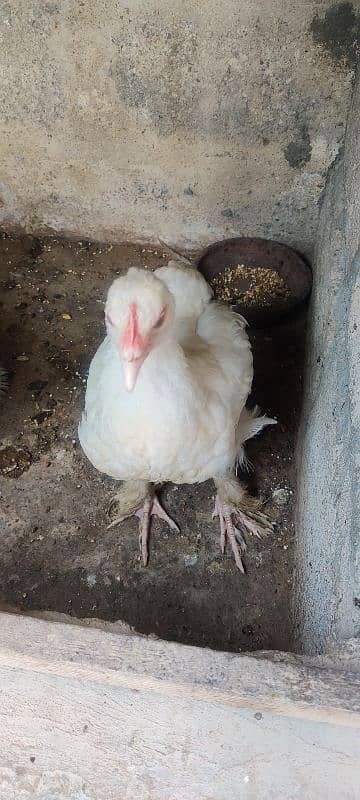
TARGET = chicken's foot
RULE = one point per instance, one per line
(150, 507)
(237, 518)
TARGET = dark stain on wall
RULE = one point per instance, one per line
(163, 69)
(162, 74)
(339, 33)
(160, 84)
(298, 152)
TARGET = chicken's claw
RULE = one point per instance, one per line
(151, 507)
(251, 521)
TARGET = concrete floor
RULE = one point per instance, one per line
(56, 553)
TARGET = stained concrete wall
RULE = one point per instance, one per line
(189, 121)
(328, 525)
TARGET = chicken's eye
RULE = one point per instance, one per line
(160, 321)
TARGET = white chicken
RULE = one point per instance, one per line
(165, 400)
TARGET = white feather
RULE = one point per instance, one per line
(251, 422)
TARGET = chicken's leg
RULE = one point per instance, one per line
(234, 503)
(139, 499)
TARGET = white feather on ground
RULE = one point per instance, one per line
(185, 421)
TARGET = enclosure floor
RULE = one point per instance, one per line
(56, 553)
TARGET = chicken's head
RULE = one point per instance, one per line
(139, 313)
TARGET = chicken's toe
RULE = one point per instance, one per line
(144, 515)
(148, 508)
(228, 531)
(236, 540)
(247, 520)
(255, 523)
(151, 508)
(158, 511)
(118, 518)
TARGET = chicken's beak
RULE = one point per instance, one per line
(131, 371)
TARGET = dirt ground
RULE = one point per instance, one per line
(56, 553)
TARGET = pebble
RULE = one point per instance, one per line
(281, 496)
(191, 560)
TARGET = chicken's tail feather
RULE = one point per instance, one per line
(251, 422)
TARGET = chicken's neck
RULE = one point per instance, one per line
(167, 356)
(165, 370)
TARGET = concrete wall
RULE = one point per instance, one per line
(185, 120)
(328, 526)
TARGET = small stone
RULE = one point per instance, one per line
(41, 417)
(281, 496)
(67, 316)
(191, 560)
(37, 386)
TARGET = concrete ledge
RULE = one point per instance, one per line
(87, 715)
